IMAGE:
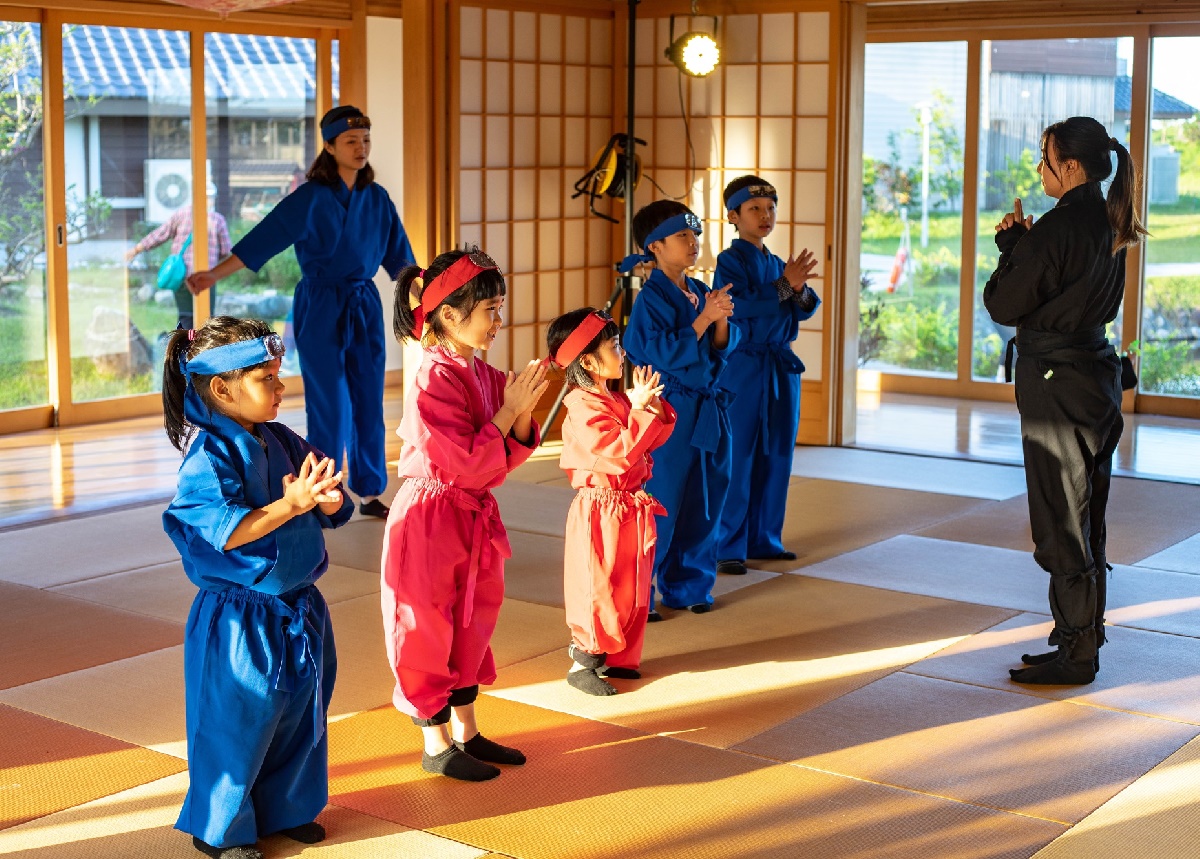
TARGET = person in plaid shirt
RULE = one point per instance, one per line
(176, 229)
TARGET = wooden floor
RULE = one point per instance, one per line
(853, 703)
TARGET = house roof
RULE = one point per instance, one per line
(1164, 106)
(132, 63)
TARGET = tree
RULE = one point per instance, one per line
(22, 211)
(945, 150)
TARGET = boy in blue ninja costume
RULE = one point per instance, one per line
(772, 299)
(259, 659)
(681, 327)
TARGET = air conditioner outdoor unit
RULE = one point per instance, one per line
(168, 187)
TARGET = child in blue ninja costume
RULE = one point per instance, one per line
(259, 659)
(772, 299)
(682, 328)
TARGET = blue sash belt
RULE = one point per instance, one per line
(712, 424)
(781, 361)
(302, 655)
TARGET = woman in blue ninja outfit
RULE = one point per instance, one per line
(344, 227)
(259, 658)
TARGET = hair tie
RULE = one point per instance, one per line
(191, 334)
(1113, 143)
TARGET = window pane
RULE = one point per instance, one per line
(1170, 336)
(913, 132)
(128, 187)
(23, 379)
(259, 96)
(1028, 85)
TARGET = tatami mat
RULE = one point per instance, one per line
(1155, 816)
(137, 700)
(47, 634)
(1183, 557)
(852, 704)
(1137, 596)
(54, 766)
(902, 471)
(1140, 672)
(536, 508)
(140, 823)
(357, 544)
(765, 654)
(1144, 518)
(826, 518)
(83, 548)
(994, 748)
(591, 790)
(534, 573)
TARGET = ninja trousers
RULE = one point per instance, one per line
(1070, 426)
(340, 338)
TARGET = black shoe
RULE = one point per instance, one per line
(700, 608)
(785, 555)
(653, 616)
(242, 851)
(732, 568)
(305, 833)
(1050, 656)
(375, 508)
(1059, 672)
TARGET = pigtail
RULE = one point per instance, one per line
(1122, 201)
(404, 323)
(174, 386)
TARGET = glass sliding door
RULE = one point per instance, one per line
(1170, 333)
(23, 366)
(260, 102)
(1027, 85)
(127, 100)
(914, 128)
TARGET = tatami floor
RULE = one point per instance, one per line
(854, 703)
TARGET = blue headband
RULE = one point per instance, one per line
(339, 126)
(749, 192)
(669, 227)
(222, 359)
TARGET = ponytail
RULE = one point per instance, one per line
(403, 321)
(1085, 140)
(1122, 201)
(174, 386)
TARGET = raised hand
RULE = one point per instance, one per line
(718, 304)
(1016, 216)
(800, 268)
(524, 389)
(646, 387)
(315, 484)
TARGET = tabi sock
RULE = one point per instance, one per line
(483, 749)
(456, 763)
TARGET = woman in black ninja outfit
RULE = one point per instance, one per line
(1059, 282)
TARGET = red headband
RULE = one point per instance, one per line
(461, 271)
(578, 339)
